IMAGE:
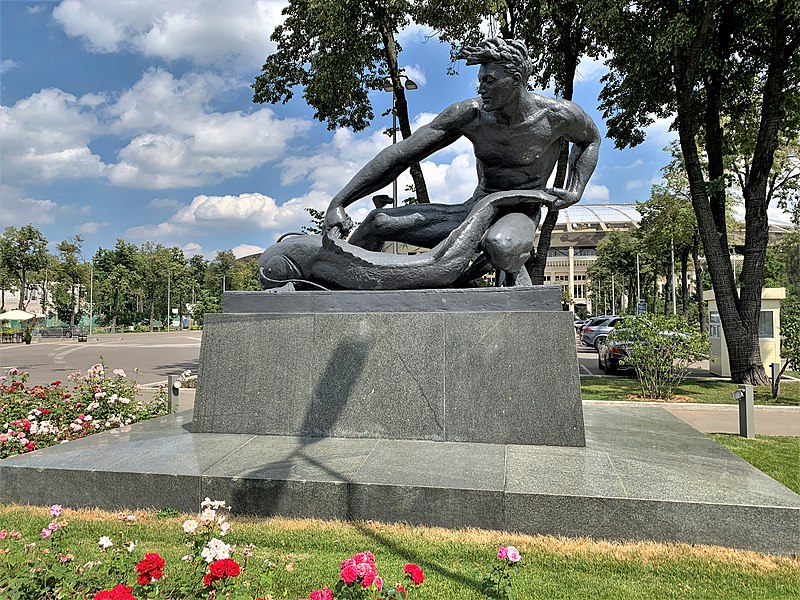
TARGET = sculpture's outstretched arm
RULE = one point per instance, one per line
(390, 162)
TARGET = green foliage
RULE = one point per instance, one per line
(206, 303)
(661, 348)
(334, 50)
(317, 226)
(790, 332)
(23, 251)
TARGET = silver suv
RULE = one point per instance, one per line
(596, 331)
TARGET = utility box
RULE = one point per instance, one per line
(769, 335)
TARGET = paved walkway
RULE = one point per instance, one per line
(724, 418)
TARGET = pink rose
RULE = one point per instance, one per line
(513, 554)
(379, 582)
(502, 552)
(349, 574)
(46, 533)
(56, 510)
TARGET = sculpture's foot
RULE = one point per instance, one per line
(519, 278)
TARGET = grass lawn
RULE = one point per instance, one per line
(700, 390)
(777, 456)
(552, 568)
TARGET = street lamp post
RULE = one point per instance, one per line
(388, 86)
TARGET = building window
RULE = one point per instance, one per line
(558, 252)
(579, 291)
(585, 252)
(765, 325)
(714, 327)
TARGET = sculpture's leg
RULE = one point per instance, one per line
(508, 243)
(417, 224)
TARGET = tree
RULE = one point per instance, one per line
(337, 51)
(22, 252)
(72, 269)
(153, 268)
(668, 222)
(710, 63)
(218, 273)
(116, 274)
(557, 32)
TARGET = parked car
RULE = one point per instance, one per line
(610, 355)
(61, 331)
(596, 331)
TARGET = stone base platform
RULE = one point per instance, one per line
(492, 365)
(643, 475)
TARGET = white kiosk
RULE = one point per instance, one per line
(768, 331)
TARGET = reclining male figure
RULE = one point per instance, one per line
(516, 135)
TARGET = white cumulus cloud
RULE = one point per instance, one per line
(179, 141)
(596, 192)
(205, 32)
(46, 137)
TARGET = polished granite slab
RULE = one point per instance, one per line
(643, 475)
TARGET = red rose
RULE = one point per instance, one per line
(122, 592)
(103, 595)
(208, 579)
(150, 568)
(416, 573)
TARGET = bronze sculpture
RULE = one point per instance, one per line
(516, 135)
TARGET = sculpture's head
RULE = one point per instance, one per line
(505, 69)
(289, 259)
(277, 271)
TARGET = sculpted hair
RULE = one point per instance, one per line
(512, 55)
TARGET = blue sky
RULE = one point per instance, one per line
(135, 120)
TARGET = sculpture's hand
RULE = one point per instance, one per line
(337, 223)
(564, 197)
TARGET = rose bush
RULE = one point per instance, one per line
(33, 417)
(497, 582)
(38, 565)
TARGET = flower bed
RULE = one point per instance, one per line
(40, 566)
(33, 417)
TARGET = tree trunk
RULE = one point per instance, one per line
(708, 201)
(685, 283)
(23, 280)
(72, 305)
(698, 277)
(152, 309)
(401, 109)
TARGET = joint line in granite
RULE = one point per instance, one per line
(421, 391)
(363, 462)
(239, 447)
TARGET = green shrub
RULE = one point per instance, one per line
(661, 348)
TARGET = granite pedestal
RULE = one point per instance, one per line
(481, 365)
(643, 475)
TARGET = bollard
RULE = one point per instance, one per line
(744, 395)
(173, 389)
(776, 379)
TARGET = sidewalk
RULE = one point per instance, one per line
(724, 418)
